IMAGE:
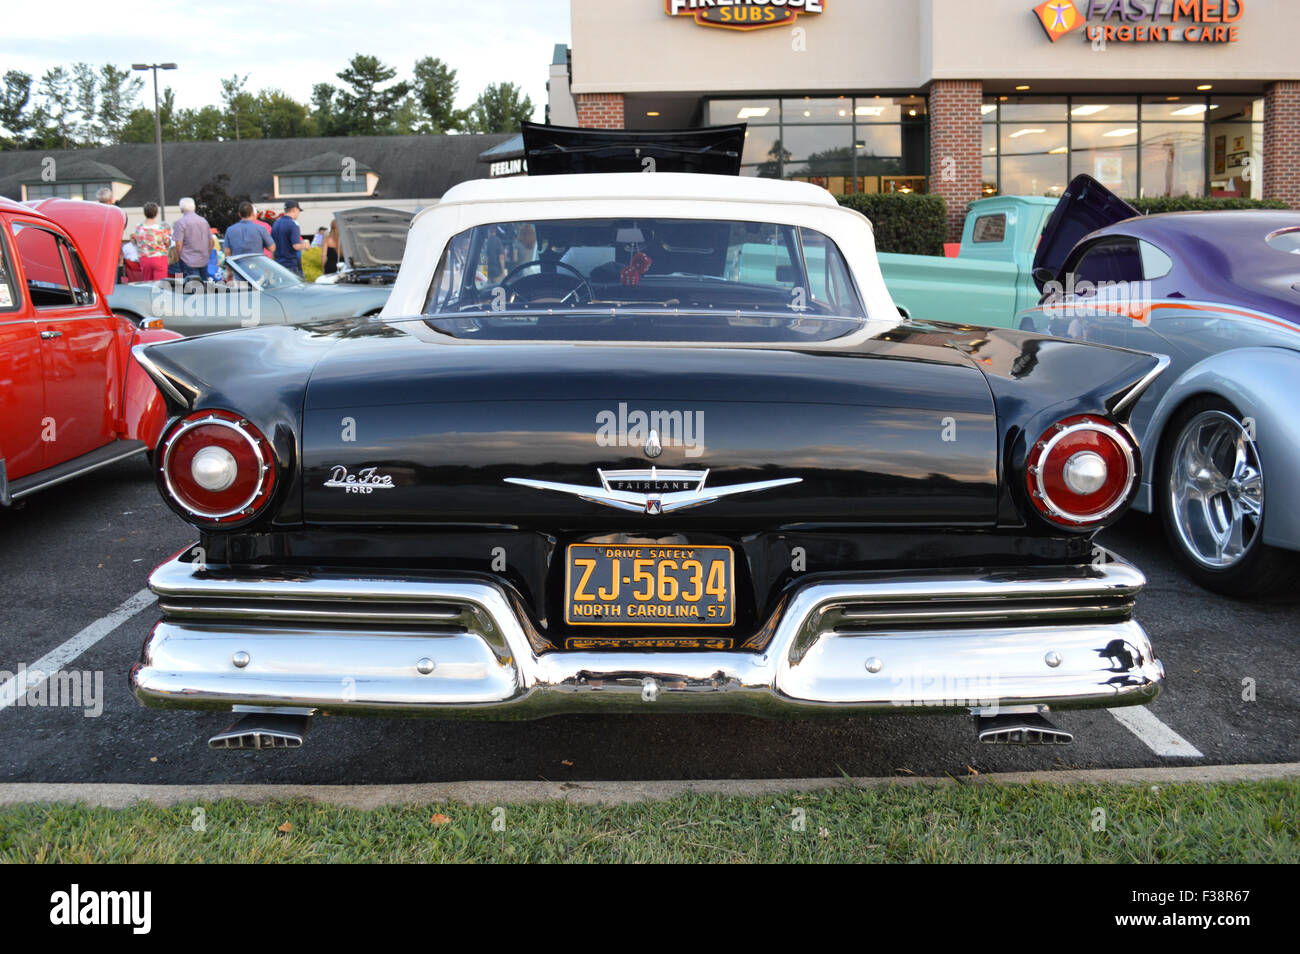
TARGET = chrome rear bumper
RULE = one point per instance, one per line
(340, 642)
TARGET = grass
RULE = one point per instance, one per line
(1236, 822)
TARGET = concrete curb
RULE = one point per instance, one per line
(597, 793)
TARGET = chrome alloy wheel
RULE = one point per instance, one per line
(1216, 487)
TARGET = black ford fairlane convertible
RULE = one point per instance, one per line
(652, 443)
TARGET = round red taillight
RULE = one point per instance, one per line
(1080, 471)
(217, 467)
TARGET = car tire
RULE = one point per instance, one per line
(1210, 489)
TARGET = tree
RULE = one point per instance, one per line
(435, 94)
(778, 154)
(409, 118)
(499, 109)
(206, 124)
(214, 202)
(85, 97)
(54, 113)
(139, 125)
(118, 91)
(14, 97)
(280, 116)
(366, 107)
(324, 113)
(241, 109)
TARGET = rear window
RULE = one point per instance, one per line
(643, 279)
(990, 228)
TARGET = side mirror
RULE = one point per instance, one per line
(1042, 275)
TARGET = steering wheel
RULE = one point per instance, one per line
(513, 275)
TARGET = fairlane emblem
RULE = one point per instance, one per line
(652, 491)
(366, 480)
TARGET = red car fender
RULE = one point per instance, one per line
(143, 410)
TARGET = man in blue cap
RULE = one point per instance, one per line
(288, 238)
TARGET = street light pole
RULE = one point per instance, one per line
(157, 129)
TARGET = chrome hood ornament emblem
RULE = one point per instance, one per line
(654, 491)
(653, 448)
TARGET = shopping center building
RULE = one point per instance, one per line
(960, 98)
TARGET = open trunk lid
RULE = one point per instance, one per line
(1086, 206)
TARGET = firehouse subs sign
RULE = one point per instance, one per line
(1142, 21)
(743, 14)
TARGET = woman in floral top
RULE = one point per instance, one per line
(153, 240)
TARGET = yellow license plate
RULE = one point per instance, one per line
(608, 585)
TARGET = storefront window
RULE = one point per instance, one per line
(839, 110)
(1236, 146)
(1173, 159)
(721, 112)
(1108, 152)
(1148, 145)
(1033, 157)
(843, 143)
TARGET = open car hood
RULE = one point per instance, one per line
(1086, 206)
(97, 230)
(373, 237)
(561, 150)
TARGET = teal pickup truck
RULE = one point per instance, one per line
(990, 279)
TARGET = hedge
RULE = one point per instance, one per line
(906, 222)
(1190, 203)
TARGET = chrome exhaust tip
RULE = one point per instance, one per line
(1020, 729)
(262, 730)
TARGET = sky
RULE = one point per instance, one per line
(295, 47)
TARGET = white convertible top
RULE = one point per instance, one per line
(634, 185)
(678, 195)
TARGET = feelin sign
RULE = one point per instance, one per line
(742, 14)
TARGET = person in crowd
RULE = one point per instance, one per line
(525, 244)
(152, 239)
(214, 257)
(329, 250)
(288, 238)
(319, 240)
(264, 219)
(130, 260)
(193, 238)
(496, 255)
(105, 196)
(249, 235)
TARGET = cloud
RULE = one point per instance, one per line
(486, 41)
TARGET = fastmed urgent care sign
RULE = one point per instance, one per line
(1143, 21)
(743, 14)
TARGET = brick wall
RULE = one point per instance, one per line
(600, 110)
(1282, 142)
(954, 107)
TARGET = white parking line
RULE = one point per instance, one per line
(1155, 735)
(36, 672)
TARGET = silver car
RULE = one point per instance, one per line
(1219, 294)
(255, 290)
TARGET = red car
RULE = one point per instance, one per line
(72, 397)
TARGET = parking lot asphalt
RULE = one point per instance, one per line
(73, 555)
